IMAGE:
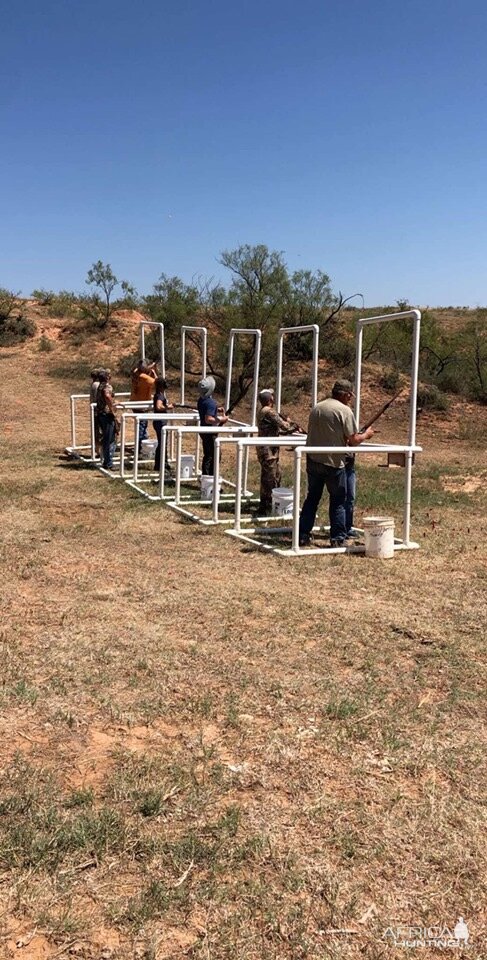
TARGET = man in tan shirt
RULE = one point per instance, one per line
(331, 424)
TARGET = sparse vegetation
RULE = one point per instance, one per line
(245, 768)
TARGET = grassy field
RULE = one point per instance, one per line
(211, 753)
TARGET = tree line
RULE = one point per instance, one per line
(263, 293)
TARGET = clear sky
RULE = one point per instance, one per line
(349, 134)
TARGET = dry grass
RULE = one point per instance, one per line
(210, 753)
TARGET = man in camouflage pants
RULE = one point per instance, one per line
(270, 424)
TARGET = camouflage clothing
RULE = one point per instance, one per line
(270, 424)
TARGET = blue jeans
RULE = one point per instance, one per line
(159, 427)
(351, 481)
(143, 430)
(107, 426)
(319, 476)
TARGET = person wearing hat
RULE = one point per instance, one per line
(331, 424)
(270, 424)
(210, 414)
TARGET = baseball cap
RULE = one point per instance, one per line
(342, 386)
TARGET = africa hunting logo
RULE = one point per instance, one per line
(441, 937)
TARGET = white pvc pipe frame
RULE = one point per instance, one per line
(204, 353)
(364, 448)
(414, 315)
(160, 326)
(74, 447)
(254, 332)
(241, 429)
(284, 331)
(134, 481)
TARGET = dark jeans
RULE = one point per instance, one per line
(143, 430)
(208, 464)
(107, 426)
(319, 476)
(351, 480)
(159, 427)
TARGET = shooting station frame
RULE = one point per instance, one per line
(75, 449)
(235, 332)
(285, 331)
(134, 480)
(162, 352)
(250, 535)
(407, 451)
(204, 354)
(234, 431)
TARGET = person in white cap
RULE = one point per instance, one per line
(270, 424)
(210, 415)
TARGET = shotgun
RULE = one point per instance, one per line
(381, 411)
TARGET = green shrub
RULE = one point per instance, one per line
(429, 397)
(391, 380)
(45, 345)
(16, 330)
(45, 297)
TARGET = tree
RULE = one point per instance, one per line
(8, 300)
(101, 276)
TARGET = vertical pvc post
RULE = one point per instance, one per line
(414, 379)
(197, 455)
(258, 346)
(177, 495)
(162, 463)
(412, 426)
(92, 430)
(246, 490)
(297, 499)
(358, 371)
(73, 422)
(136, 450)
(407, 497)
(216, 478)
(238, 488)
(122, 446)
(228, 389)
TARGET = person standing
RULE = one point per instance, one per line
(210, 415)
(144, 376)
(106, 410)
(95, 383)
(270, 424)
(160, 405)
(331, 424)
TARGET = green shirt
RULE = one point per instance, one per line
(331, 423)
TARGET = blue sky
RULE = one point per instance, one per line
(350, 135)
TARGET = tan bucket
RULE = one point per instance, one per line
(379, 537)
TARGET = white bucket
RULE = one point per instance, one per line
(187, 466)
(379, 537)
(207, 484)
(282, 502)
(148, 449)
